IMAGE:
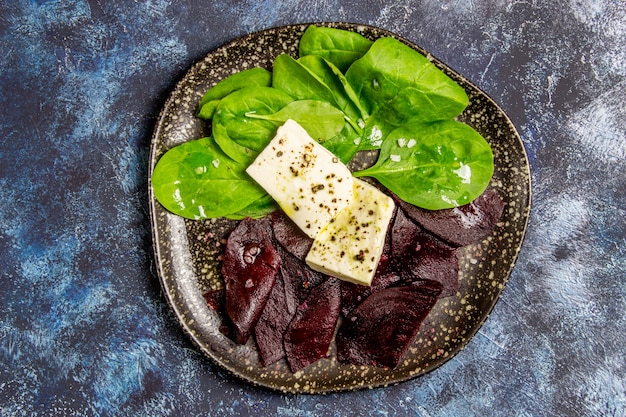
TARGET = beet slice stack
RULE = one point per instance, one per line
(293, 284)
(293, 311)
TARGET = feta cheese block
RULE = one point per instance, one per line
(351, 245)
(307, 181)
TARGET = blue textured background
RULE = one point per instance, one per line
(84, 329)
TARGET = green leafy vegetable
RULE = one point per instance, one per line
(191, 179)
(341, 47)
(345, 145)
(311, 77)
(435, 166)
(259, 208)
(240, 136)
(350, 94)
(247, 78)
(397, 85)
(343, 94)
(296, 80)
(320, 119)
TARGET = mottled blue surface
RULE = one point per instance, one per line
(84, 329)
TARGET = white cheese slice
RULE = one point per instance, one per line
(307, 181)
(350, 246)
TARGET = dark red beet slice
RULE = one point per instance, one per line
(354, 294)
(272, 324)
(380, 330)
(299, 279)
(250, 266)
(289, 236)
(423, 255)
(215, 299)
(462, 225)
(294, 282)
(310, 332)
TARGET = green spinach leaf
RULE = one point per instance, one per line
(296, 80)
(398, 85)
(320, 119)
(240, 136)
(344, 145)
(341, 47)
(259, 208)
(342, 92)
(197, 180)
(299, 81)
(247, 78)
(435, 166)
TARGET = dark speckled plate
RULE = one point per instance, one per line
(187, 252)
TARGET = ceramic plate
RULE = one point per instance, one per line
(187, 252)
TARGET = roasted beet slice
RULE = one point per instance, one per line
(250, 266)
(354, 294)
(294, 282)
(289, 236)
(380, 330)
(272, 324)
(424, 255)
(215, 299)
(462, 225)
(310, 332)
(299, 279)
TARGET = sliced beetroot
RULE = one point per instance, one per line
(298, 278)
(440, 264)
(272, 324)
(250, 266)
(294, 282)
(289, 236)
(416, 251)
(354, 294)
(463, 225)
(380, 330)
(310, 333)
(215, 299)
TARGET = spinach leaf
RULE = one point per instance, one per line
(434, 166)
(259, 208)
(342, 92)
(312, 77)
(344, 145)
(341, 47)
(318, 118)
(296, 80)
(398, 85)
(323, 122)
(197, 180)
(240, 136)
(246, 78)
